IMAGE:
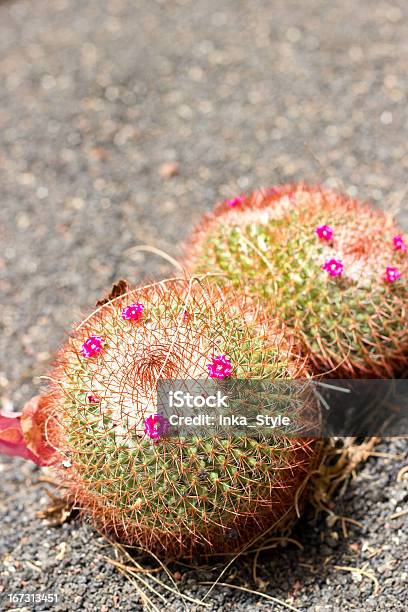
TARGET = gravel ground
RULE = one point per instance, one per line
(95, 97)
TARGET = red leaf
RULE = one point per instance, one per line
(12, 441)
(24, 435)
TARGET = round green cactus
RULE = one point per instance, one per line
(335, 271)
(171, 493)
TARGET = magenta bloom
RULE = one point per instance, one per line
(220, 367)
(391, 274)
(156, 425)
(333, 267)
(134, 312)
(399, 244)
(324, 232)
(93, 399)
(92, 346)
(235, 201)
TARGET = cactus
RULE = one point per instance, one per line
(172, 494)
(335, 270)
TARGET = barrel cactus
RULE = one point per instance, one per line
(336, 271)
(172, 494)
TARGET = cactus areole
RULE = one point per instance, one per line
(335, 270)
(171, 494)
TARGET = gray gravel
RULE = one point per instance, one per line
(94, 98)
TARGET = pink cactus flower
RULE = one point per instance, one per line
(156, 425)
(93, 399)
(134, 312)
(399, 244)
(333, 267)
(324, 232)
(235, 201)
(92, 346)
(392, 274)
(220, 367)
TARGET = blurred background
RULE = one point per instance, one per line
(121, 123)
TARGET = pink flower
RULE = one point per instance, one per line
(399, 244)
(235, 201)
(92, 346)
(391, 274)
(334, 267)
(134, 312)
(93, 399)
(220, 367)
(324, 232)
(155, 426)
